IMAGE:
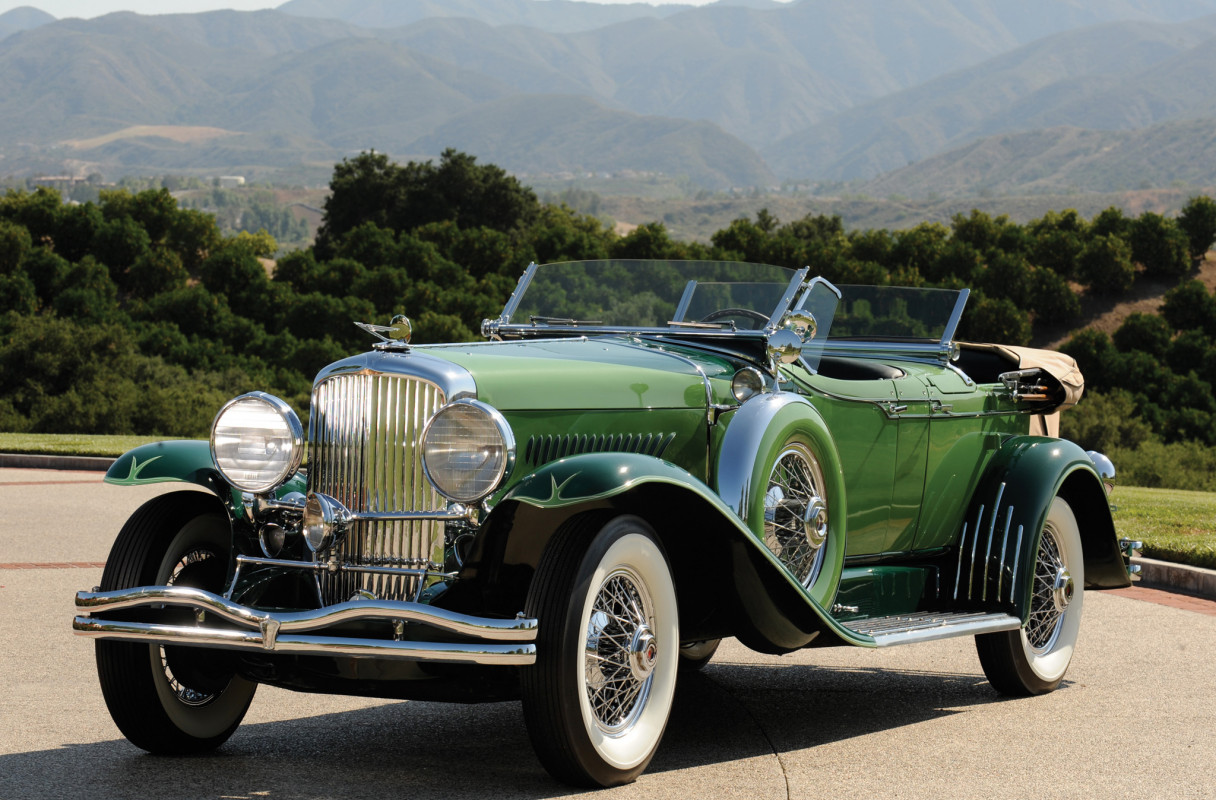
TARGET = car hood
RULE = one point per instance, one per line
(601, 373)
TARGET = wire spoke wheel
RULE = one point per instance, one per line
(621, 651)
(796, 513)
(597, 699)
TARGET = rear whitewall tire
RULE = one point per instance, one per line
(1034, 659)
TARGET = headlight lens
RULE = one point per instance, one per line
(467, 450)
(257, 442)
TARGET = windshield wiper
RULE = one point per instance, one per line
(563, 321)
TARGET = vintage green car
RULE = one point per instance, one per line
(642, 459)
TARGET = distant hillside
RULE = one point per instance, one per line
(555, 16)
(1064, 159)
(830, 89)
(22, 18)
(577, 135)
(1104, 77)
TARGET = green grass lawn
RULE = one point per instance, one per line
(1174, 525)
(71, 444)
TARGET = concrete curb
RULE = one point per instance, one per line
(1177, 577)
(74, 463)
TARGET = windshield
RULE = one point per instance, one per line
(650, 294)
(891, 313)
(725, 300)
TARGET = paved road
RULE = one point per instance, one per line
(1135, 718)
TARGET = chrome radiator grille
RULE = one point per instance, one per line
(364, 450)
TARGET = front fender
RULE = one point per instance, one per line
(1006, 515)
(184, 461)
(728, 582)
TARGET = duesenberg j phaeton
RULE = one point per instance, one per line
(642, 459)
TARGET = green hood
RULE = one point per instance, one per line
(563, 374)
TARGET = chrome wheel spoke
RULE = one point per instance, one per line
(619, 616)
(1045, 616)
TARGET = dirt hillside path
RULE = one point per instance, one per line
(1107, 314)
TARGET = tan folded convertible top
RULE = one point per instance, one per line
(1060, 366)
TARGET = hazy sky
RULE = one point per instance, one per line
(94, 8)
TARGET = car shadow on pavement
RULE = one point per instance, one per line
(724, 714)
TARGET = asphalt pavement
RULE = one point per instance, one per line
(1135, 717)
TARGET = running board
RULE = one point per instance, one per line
(927, 626)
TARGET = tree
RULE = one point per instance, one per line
(1147, 332)
(1198, 222)
(1104, 421)
(1052, 299)
(1106, 265)
(370, 188)
(995, 320)
(15, 246)
(1160, 245)
(1190, 306)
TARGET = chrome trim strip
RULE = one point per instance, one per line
(521, 330)
(962, 541)
(996, 512)
(453, 380)
(979, 519)
(934, 351)
(1000, 580)
(442, 652)
(1013, 576)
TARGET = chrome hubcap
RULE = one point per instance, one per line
(796, 513)
(1063, 589)
(643, 653)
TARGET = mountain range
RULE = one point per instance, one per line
(908, 96)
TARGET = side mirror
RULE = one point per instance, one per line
(801, 323)
(784, 346)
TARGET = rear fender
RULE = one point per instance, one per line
(1005, 519)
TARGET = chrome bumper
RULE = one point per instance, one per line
(493, 641)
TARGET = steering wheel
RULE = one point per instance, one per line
(722, 313)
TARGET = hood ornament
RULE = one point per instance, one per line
(394, 336)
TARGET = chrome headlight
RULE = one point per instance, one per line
(467, 450)
(257, 442)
